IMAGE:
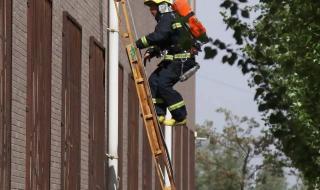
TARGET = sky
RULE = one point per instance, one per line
(220, 85)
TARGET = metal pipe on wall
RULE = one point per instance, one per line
(113, 64)
(168, 140)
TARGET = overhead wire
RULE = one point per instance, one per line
(236, 88)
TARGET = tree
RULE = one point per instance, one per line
(225, 161)
(270, 178)
(281, 53)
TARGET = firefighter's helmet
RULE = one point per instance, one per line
(157, 2)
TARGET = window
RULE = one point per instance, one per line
(5, 92)
(39, 95)
(120, 124)
(185, 157)
(147, 163)
(177, 156)
(191, 160)
(97, 141)
(133, 136)
(71, 103)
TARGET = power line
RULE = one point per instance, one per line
(207, 78)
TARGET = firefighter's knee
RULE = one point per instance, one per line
(162, 86)
(153, 81)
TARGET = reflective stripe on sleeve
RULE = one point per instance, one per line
(144, 41)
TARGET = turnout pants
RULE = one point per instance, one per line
(161, 83)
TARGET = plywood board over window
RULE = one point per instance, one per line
(120, 124)
(38, 95)
(191, 160)
(133, 136)
(155, 173)
(5, 92)
(147, 163)
(97, 141)
(177, 156)
(71, 103)
(185, 158)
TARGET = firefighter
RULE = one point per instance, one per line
(168, 37)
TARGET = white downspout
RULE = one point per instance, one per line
(113, 66)
(168, 140)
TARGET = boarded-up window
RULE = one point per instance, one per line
(120, 124)
(5, 92)
(71, 103)
(185, 158)
(157, 181)
(147, 163)
(191, 160)
(156, 176)
(97, 116)
(133, 136)
(39, 95)
(177, 156)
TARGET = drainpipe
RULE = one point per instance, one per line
(168, 140)
(113, 95)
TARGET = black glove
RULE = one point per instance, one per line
(139, 44)
(197, 46)
(142, 43)
(154, 51)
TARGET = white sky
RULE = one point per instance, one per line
(220, 85)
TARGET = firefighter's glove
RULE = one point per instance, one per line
(151, 53)
(142, 43)
(197, 46)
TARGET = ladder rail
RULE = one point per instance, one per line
(152, 126)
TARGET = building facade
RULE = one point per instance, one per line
(54, 101)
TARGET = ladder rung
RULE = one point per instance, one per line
(125, 35)
(140, 80)
(150, 116)
(158, 153)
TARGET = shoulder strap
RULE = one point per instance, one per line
(186, 18)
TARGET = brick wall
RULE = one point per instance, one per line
(93, 17)
(87, 13)
(19, 92)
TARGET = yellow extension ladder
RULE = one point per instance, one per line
(154, 133)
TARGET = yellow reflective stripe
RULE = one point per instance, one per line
(176, 25)
(182, 56)
(168, 57)
(144, 41)
(178, 56)
(157, 101)
(176, 106)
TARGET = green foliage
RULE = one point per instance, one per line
(281, 52)
(271, 178)
(225, 161)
